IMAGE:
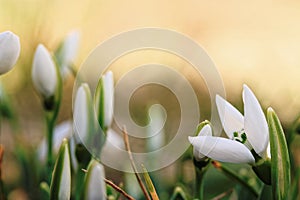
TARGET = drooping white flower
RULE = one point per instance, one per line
(61, 131)
(68, 51)
(94, 185)
(61, 178)
(44, 73)
(244, 132)
(104, 100)
(9, 51)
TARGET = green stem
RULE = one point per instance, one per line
(79, 182)
(199, 183)
(50, 128)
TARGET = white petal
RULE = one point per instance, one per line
(82, 113)
(256, 126)
(95, 187)
(205, 131)
(108, 84)
(231, 119)
(44, 72)
(222, 149)
(9, 51)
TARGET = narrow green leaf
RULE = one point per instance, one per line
(60, 188)
(280, 161)
(149, 184)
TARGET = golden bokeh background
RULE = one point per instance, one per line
(253, 42)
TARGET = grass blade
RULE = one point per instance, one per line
(149, 184)
(280, 161)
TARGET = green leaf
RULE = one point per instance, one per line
(61, 178)
(280, 161)
(149, 184)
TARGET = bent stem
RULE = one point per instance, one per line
(199, 183)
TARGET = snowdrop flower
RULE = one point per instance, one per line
(245, 133)
(83, 112)
(44, 73)
(61, 178)
(9, 51)
(104, 100)
(61, 131)
(68, 52)
(94, 186)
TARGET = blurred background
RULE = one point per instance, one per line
(257, 43)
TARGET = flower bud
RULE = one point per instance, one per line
(9, 51)
(94, 186)
(44, 75)
(104, 100)
(83, 119)
(61, 178)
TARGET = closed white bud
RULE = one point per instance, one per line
(94, 186)
(60, 187)
(44, 75)
(9, 51)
